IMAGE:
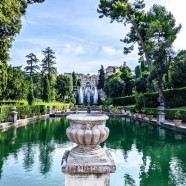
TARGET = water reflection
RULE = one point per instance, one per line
(144, 155)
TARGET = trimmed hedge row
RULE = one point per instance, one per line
(169, 113)
(13, 102)
(174, 98)
(123, 101)
(26, 110)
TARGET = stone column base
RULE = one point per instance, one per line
(89, 170)
(87, 179)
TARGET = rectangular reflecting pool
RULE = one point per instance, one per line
(144, 155)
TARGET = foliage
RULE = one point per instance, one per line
(49, 69)
(30, 95)
(119, 84)
(32, 64)
(36, 108)
(13, 102)
(123, 101)
(174, 98)
(139, 101)
(10, 25)
(38, 85)
(114, 87)
(169, 113)
(137, 71)
(127, 78)
(74, 79)
(17, 87)
(178, 114)
(48, 63)
(101, 78)
(46, 96)
(141, 84)
(154, 32)
(63, 86)
(4, 113)
(178, 69)
(108, 101)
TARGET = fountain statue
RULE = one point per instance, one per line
(87, 163)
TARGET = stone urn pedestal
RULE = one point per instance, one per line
(87, 163)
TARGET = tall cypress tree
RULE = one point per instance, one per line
(46, 90)
(74, 79)
(49, 69)
(30, 96)
(101, 78)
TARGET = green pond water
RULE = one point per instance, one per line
(144, 155)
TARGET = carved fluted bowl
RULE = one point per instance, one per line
(87, 129)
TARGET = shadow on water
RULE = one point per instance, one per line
(144, 155)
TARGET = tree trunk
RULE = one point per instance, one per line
(143, 45)
(161, 94)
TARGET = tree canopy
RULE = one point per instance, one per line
(11, 12)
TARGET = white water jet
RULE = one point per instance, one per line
(81, 96)
(95, 96)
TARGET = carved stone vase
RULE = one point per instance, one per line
(87, 161)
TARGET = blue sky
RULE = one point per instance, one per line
(81, 41)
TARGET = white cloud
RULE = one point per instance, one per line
(82, 42)
(108, 50)
(68, 49)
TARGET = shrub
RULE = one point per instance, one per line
(123, 101)
(139, 102)
(4, 113)
(108, 101)
(174, 98)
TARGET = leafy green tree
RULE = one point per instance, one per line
(74, 79)
(130, 14)
(32, 64)
(178, 70)
(114, 87)
(30, 96)
(11, 12)
(161, 33)
(141, 84)
(101, 78)
(127, 78)
(63, 86)
(46, 96)
(137, 71)
(154, 32)
(17, 86)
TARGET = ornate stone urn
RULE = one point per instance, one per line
(87, 163)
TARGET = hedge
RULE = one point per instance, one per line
(4, 113)
(28, 110)
(123, 101)
(169, 113)
(174, 98)
(13, 102)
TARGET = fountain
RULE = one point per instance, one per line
(95, 96)
(81, 96)
(87, 163)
